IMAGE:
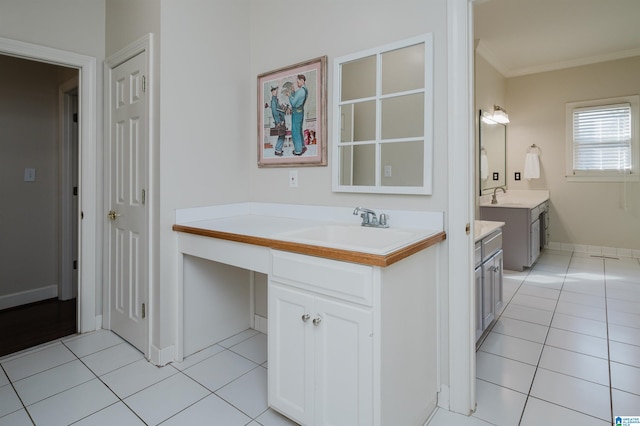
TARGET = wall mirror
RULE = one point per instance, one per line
(383, 119)
(493, 148)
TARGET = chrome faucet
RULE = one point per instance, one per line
(494, 199)
(369, 218)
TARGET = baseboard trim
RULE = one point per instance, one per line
(162, 357)
(28, 296)
(594, 250)
(260, 324)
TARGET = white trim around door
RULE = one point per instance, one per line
(90, 189)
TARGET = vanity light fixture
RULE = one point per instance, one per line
(487, 118)
(500, 115)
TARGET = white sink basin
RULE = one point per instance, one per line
(356, 238)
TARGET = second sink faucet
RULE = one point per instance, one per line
(369, 218)
(494, 199)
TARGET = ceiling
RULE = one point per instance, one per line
(521, 37)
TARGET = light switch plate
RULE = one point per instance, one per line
(29, 175)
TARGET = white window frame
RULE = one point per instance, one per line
(604, 175)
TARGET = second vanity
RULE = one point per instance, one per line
(352, 335)
(526, 218)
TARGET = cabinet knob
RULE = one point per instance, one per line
(305, 318)
(317, 321)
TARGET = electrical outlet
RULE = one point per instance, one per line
(29, 175)
(496, 175)
(517, 176)
(387, 171)
(293, 178)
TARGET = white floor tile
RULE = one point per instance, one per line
(166, 398)
(498, 405)
(521, 329)
(273, 418)
(580, 325)
(625, 378)
(86, 344)
(35, 362)
(9, 401)
(197, 357)
(624, 294)
(220, 369)
(50, 382)
(582, 311)
(447, 418)
(524, 313)
(535, 290)
(581, 287)
(234, 340)
(17, 418)
(576, 394)
(576, 365)
(135, 377)
(582, 299)
(624, 353)
(512, 348)
(116, 414)
(623, 318)
(254, 348)
(576, 342)
(542, 279)
(534, 302)
(112, 358)
(550, 268)
(623, 306)
(248, 393)
(211, 410)
(538, 412)
(624, 402)
(583, 276)
(504, 372)
(73, 404)
(620, 333)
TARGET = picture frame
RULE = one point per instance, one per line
(292, 115)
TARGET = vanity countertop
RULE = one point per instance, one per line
(482, 228)
(285, 227)
(514, 198)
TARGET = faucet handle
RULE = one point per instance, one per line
(383, 219)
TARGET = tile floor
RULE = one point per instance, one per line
(565, 350)
(99, 379)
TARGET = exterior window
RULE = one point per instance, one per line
(602, 140)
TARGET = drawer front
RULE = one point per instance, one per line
(491, 244)
(478, 253)
(343, 280)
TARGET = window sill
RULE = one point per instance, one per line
(604, 178)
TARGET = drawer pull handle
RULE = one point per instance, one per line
(305, 317)
(317, 321)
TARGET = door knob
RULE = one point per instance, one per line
(305, 317)
(316, 321)
(112, 215)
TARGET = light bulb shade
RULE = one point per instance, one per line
(500, 116)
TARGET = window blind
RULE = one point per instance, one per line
(602, 138)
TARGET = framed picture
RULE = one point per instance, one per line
(292, 115)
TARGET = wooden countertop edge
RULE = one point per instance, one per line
(319, 251)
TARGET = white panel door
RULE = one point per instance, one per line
(127, 216)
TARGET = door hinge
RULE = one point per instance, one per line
(75, 190)
(75, 264)
(144, 84)
(144, 196)
(75, 117)
(467, 228)
(144, 311)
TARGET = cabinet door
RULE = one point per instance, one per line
(291, 355)
(488, 305)
(344, 363)
(534, 241)
(497, 282)
(479, 327)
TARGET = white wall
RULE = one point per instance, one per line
(590, 214)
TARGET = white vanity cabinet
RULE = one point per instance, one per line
(320, 345)
(523, 232)
(352, 344)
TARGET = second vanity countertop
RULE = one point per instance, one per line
(327, 232)
(516, 198)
